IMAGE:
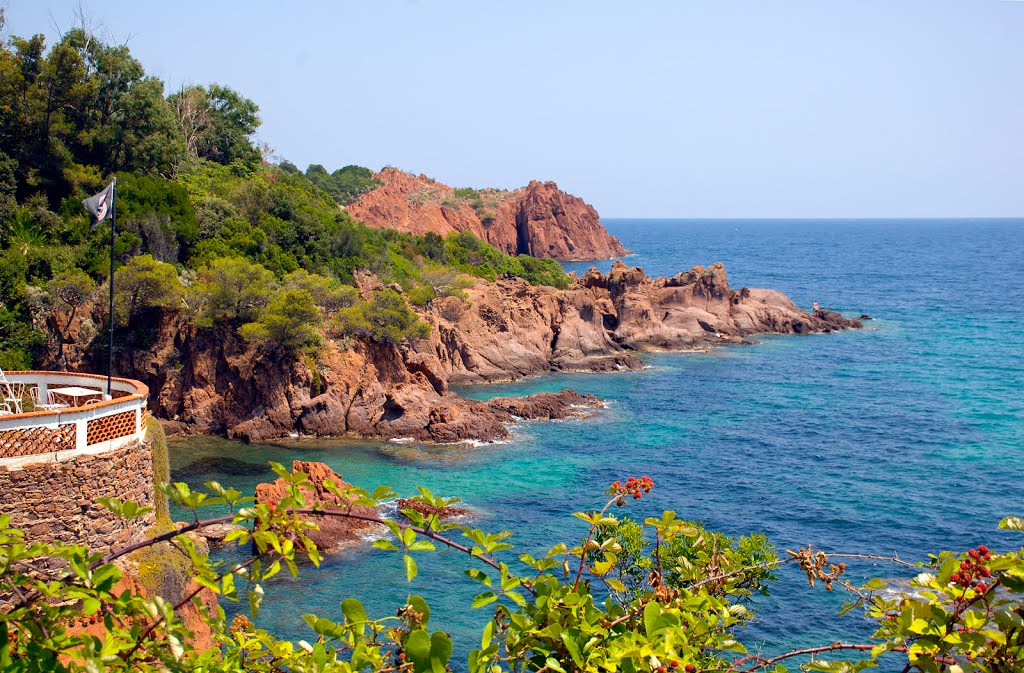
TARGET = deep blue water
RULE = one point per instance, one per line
(906, 436)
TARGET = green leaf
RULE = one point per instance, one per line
(651, 613)
(410, 568)
(1012, 523)
(573, 647)
(420, 606)
(553, 664)
(417, 650)
(479, 576)
(483, 599)
(422, 545)
(354, 613)
(488, 633)
(440, 651)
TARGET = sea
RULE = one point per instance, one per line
(903, 438)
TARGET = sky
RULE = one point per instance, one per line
(714, 109)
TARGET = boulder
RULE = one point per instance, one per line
(335, 532)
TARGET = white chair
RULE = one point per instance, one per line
(92, 400)
(13, 392)
(55, 402)
(5, 410)
(33, 392)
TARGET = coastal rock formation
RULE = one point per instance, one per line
(212, 381)
(445, 513)
(335, 532)
(538, 220)
(510, 329)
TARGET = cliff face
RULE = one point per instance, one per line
(539, 219)
(511, 329)
(213, 382)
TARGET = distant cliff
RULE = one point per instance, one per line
(538, 220)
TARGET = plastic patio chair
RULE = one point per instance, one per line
(38, 403)
(13, 392)
(54, 403)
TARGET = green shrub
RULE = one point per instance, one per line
(386, 319)
(291, 322)
(421, 295)
(233, 288)
(145, 283)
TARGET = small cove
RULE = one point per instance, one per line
(907, 436)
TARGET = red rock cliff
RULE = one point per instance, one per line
(539, 219)
(211, 381)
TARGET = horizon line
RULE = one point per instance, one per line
(691, 218)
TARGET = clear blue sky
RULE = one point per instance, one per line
(858, 108)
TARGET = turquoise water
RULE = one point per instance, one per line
(907, 436)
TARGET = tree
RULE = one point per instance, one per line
(329, 295)
(217, 123)
(386, 319)
(144, 283)
(291, 322)
(234, 288)
(59, 301)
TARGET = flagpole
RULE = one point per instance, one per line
(113, 226)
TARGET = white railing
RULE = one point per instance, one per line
(59, 435)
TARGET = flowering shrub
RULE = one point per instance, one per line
(578, 607)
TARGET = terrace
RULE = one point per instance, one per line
(55, 416)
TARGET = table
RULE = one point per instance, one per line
(74, 392)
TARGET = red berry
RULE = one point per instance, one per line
(985, 572)
(690, 668)
(981, 588)
(973, 554)
(982, 549)
(955, 578)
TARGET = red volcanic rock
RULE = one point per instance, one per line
(212, 381)
(335, 532)
(442, 513)
(547, 406)
(539, 219)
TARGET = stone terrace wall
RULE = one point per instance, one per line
(54, 501)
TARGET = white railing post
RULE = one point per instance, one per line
(81, 433)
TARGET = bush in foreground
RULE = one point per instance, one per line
(574, 608)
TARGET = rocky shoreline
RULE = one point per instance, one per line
(205, 381)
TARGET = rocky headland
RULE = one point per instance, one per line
(212, 381)
(538, 220)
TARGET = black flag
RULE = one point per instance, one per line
(100, 205)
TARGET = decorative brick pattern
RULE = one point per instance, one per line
(34, 441)
(110, 427)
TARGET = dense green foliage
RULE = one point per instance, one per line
(198, 210)
(345, 184)
(385, 319)
(563, 611)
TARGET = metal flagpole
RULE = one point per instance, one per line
(113, 225)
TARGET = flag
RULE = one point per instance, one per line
(100, 205)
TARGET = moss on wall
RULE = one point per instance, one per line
(161, 468)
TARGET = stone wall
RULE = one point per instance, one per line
(55, 501)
